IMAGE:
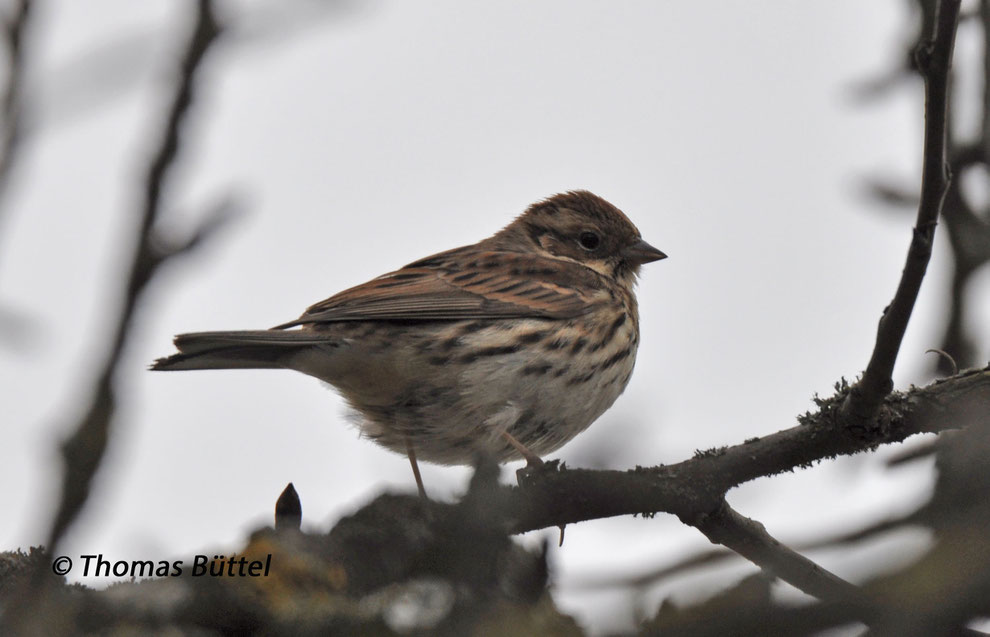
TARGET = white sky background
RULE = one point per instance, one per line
(371, 137)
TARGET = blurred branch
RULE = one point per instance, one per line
(889, 193)
(748, 608)
(11, 100)
(169, 244)
(84, 449)
(879, 86)
(925, 449)
(934, 59)
(750, 539)
(949, 585)
(95, 77)
(872, 88)
(657, 575)
(401, 565)
(15, 329)
(716, 556)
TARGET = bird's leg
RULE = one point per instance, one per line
(534, 466)
(532, 460)
(415, 467)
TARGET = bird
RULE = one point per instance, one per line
(508, 347)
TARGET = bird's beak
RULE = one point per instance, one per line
(641, 252)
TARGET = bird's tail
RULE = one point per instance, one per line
(255, 349)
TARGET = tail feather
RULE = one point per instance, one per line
(256, 349)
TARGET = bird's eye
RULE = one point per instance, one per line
(589, 240)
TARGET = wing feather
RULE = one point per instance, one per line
(467, 284)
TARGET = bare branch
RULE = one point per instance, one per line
(11, 108)
(716, 556)
(890, 194)
(694, 490)
(696, 486)
(934, 59)
(83, 450)
(167, 244)
(750, 539)
(701, 559)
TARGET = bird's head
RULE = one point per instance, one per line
(581, 227)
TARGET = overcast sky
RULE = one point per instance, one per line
(362, 137)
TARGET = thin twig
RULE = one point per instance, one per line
(934, 59)
(967, 227)
(951, 361)
(924, 449)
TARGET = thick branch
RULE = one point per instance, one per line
(695, 487)
(694, 490)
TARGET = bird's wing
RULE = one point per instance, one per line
(467, 284)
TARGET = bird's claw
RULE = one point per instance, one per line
(533, 471)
